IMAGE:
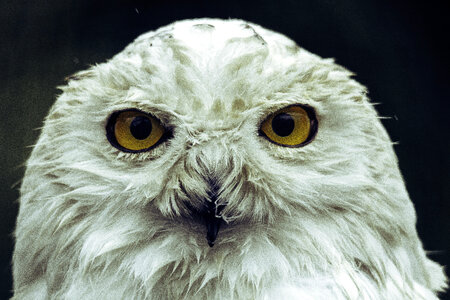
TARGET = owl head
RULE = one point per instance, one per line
(216, 159)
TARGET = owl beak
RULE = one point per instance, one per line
(212, 223)
(213, 219)
(210, 214)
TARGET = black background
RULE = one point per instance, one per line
(396, 48)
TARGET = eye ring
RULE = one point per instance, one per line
(295, 126)
(133, 131)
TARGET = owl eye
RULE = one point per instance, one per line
(292, 126)
(134, 131)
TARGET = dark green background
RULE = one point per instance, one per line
(396, 49)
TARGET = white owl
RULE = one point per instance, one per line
(215, 159)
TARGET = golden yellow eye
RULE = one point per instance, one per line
(292, 126)
(134, 131)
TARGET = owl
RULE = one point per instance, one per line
(216, 159)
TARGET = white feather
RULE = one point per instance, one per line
(330, 220)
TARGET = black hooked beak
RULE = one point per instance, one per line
(210, 214)
(212, 217)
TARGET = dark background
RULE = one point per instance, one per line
(397, 49)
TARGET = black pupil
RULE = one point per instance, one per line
(141, 127)
(283, 124)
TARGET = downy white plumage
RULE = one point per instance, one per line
(330, 219)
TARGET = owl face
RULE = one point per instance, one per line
(211, 132)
